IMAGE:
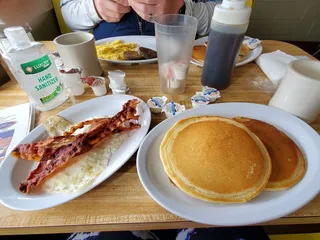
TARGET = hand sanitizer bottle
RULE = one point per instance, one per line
(34, 70)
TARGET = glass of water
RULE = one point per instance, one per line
(175, 35)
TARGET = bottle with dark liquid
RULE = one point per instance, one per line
(228, 27)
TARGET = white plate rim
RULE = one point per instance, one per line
(127, 39)
(157, 196)
(255, 53)
(39, 130)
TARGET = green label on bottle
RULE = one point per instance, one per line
(36, 66)
(56, 92)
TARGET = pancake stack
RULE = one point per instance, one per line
(225, 160)
(199, 53)
(288, 163)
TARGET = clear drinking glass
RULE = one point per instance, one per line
(175, 36)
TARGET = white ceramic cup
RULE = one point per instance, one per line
(77, 50)
(299, 90)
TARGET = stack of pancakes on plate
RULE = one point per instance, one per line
(226, 160)
(199, 53)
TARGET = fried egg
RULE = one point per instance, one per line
(85, 168)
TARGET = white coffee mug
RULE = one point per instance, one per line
(77, 50)
(299, 90)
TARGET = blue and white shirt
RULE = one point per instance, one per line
(80, 15)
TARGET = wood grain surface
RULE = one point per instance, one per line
(121, 203)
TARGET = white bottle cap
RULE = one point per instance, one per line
(232, 12)
(17, 36)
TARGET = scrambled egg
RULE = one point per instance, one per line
(115, 50)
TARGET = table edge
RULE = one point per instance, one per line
(140, 226)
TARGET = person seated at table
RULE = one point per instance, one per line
(110, 18)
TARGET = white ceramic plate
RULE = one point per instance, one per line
(252, 55)
(266, 206)
(13, 171)
(142, 41)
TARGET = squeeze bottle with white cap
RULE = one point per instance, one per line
(228, 27)
(34, 69)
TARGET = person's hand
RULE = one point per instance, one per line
(148, 8)
(111, 10)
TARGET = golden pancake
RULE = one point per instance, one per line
(244, 50)
(215, 159)
(199, 53)
(239, 59)
(288, 163)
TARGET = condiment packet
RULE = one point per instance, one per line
(117, 79)
(88, 80)
(174, 73)
(212, 93)
(121, 90)
(167, 73)
(64, 70)
(117, 82)
(98, 84)
(117, 74)
(252, 43)
(71, 79)
(57, 60)
(172, 109)
(156, 104)
(180, 70)
(199, 100)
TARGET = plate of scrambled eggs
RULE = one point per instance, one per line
(114, 49)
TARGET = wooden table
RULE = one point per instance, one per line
(121, 203)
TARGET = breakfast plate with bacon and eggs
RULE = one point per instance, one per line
(73, 152)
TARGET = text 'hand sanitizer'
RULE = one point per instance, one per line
(34, 69)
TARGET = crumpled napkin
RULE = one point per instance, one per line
(274, 64)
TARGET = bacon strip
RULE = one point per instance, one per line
(36, 151)
(81, 144)
(95, 121)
